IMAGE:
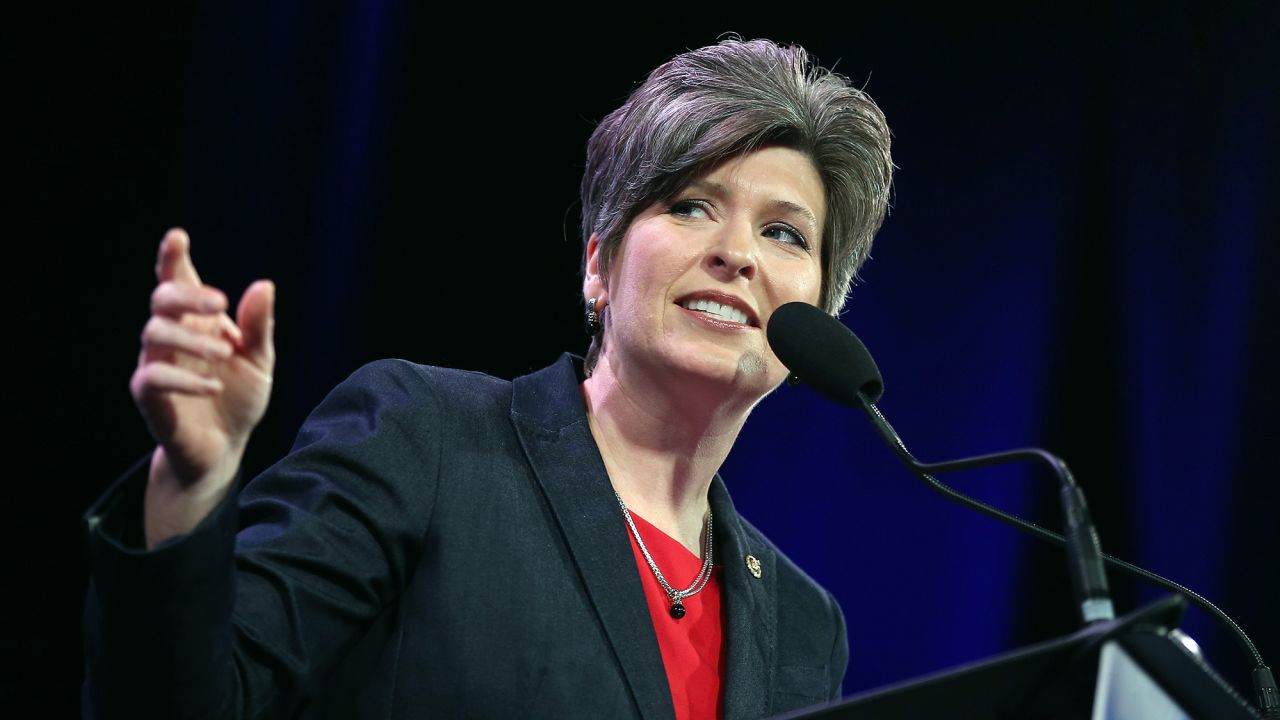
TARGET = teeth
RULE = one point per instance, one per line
(715, 309)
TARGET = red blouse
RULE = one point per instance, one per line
(692, 647)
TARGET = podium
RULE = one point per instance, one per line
(1124, 669)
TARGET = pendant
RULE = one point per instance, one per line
(677, 609)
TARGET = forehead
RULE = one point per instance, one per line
(776, 176)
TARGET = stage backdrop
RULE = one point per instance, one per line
(1081, 255)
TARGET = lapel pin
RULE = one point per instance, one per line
(753, 565)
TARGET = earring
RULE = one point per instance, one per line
(792, 380)
(593, 318)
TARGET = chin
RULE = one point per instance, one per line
(749, 372)
(753, 365)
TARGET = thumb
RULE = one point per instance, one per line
(256, 316)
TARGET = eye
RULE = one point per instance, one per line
(697, 209)
(787, 234)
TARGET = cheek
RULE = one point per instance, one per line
(638, 288)
(814, 289)
(652, 273)
(804, 284)
(814, 283)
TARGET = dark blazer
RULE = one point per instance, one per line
(437, 543)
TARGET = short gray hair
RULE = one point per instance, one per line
(710, 104)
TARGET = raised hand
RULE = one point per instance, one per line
(202, 384)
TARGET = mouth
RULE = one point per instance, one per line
(720, 307)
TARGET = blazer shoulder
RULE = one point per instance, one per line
(813, 647)
(394, 398)
(795, 586)
(448, 387)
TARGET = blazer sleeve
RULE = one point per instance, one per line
(248, 613)
(839, 662)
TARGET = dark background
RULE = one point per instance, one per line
(1082, 255)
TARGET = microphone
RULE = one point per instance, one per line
(820, 351)
(824, 354)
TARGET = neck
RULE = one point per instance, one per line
(661, 445)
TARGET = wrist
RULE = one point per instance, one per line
(174, 505)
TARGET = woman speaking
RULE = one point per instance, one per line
(445, 543)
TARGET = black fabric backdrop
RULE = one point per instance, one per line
(1081, 255)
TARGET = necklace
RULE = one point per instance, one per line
(676, 596)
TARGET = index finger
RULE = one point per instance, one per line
(174, 261)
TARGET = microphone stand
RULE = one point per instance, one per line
(1084, 555)
(822, 352)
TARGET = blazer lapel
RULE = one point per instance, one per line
(750, 625)
(550, 419)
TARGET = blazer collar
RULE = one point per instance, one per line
(550, 418)
(750, 619)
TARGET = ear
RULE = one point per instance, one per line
(593, 283)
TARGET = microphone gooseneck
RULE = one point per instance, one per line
(827, 356)
(1084, 553)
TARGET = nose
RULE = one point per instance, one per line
(733, 254)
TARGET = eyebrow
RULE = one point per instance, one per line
(784, 205)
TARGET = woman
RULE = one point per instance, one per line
(444, 542)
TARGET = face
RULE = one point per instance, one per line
(697, 277)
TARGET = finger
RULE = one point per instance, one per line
(174, 299)
(154, 355)
(230, 331)
(162, 336)
(151, 383)
(256, 316)
(174, 260)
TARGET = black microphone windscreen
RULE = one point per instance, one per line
(823, 353)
